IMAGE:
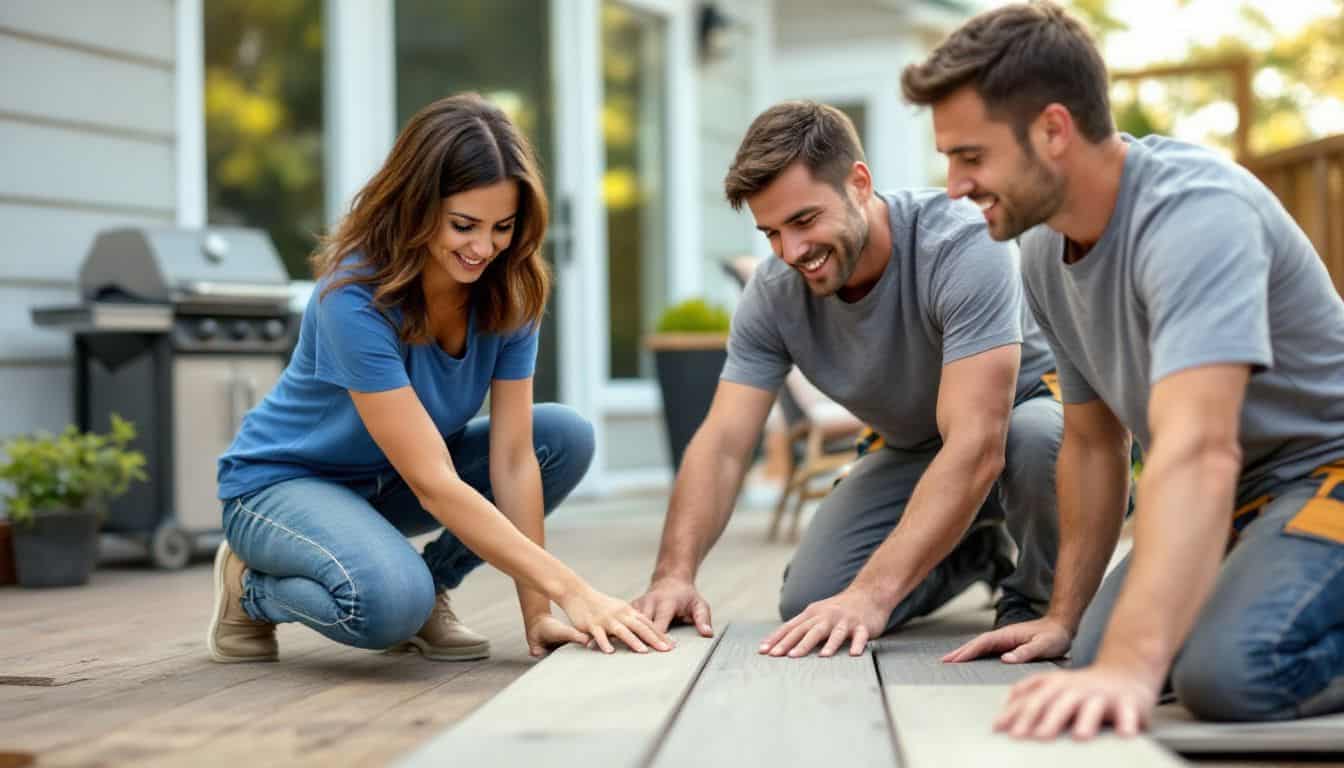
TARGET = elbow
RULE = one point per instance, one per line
(512, 464)
(1213, 457)
(989, 466)
(1218, 458)
(435, 484)
(985, 453)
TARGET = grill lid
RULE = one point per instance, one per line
(220, 265)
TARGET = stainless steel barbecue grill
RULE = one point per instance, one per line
(180, 331)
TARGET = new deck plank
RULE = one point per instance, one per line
(942, 725)
(578, 707)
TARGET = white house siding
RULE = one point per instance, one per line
(86, 142)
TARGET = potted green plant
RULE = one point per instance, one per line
(58, 488)
(689, 349)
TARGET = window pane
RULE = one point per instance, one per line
(634, 71)
(500, 49)
(857, 112)
(263, 121)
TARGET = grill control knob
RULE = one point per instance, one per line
(272, 330)
(207, 329)
(240, 329)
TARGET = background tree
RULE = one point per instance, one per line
(1298, 79)
(263, 111)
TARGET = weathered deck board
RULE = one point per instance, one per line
(153, 698)
(749, 709)
(578, 707)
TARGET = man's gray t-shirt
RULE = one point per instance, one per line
(1199, 265)
(948, 292)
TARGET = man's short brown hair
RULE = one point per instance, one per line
(820, 136)
(1020, 59)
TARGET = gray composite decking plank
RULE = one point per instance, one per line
(949, 725)
(1175, 728)
(577, 707)
(906, 660)
(749, 709)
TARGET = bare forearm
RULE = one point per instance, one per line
(944, 503)
(518, 494)
(1180, 535)
(488, 533)
(702, 501)
(1092, 483)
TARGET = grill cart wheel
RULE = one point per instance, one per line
(170, 548)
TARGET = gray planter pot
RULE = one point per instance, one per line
(688, 367)
(7, 575)
(57, 550)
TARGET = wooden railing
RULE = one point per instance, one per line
(1309, 179)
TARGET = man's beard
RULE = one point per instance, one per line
(1034, 200)
(846, 253)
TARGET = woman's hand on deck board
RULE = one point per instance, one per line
(604, 617)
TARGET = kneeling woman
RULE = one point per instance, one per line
(428, 295)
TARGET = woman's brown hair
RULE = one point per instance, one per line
(455, 144)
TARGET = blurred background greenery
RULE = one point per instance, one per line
(1295, 49)
(264, 103)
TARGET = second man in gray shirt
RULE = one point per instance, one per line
(903, 310)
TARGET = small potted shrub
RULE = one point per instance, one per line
(689, 349)
(58, 486)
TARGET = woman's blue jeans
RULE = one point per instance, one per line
(333, 555)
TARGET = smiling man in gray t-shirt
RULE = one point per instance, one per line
(1184, 305)
(900, 308)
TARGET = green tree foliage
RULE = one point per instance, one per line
(263, 108)
(1294, 74)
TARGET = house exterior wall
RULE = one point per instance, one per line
(94, 133)
(87, 127)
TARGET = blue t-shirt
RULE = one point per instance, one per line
(307, 426)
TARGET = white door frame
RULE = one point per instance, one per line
(584, 321)
(576, 177)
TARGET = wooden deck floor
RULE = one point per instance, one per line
(133, 685)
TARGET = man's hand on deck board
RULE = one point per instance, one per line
(852, 616)
(1038, 640)
(669, 600)
(1078, 700)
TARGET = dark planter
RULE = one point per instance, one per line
(57, 550)
(7, 575)
(688, 366)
